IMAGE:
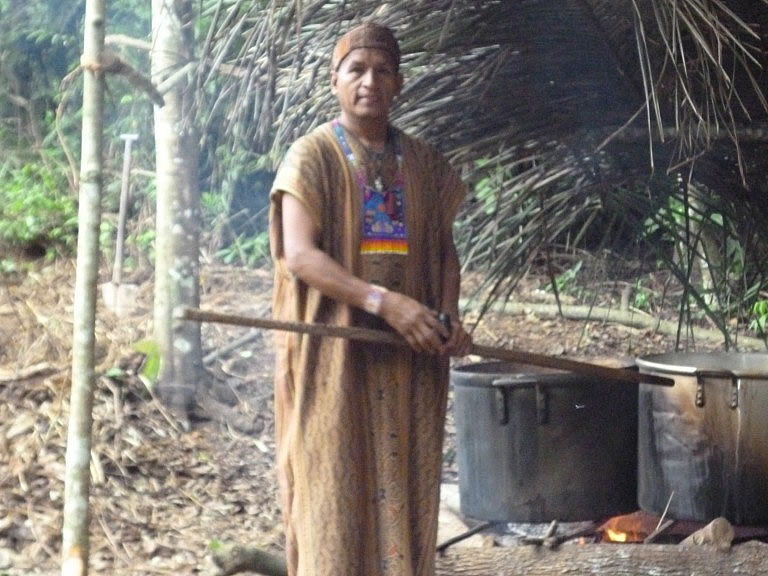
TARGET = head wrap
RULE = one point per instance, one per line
(367, 35)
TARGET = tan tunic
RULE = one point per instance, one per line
(359, 426)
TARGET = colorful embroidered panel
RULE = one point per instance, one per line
(383, 222)
(384, 230)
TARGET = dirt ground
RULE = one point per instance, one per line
(161, 497)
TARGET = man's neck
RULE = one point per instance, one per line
(371, 132)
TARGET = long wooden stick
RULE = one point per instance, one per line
(388, 338)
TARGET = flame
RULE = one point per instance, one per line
(628, 528)
(614, 536)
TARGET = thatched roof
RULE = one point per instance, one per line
(579, 104)
(516, 71)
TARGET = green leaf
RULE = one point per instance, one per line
(214, 545)
(115, 372)
(151, 351)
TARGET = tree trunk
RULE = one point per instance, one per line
(178, 209)
(77, 480)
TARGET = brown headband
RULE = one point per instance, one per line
(367, 35)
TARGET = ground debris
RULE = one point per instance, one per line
(160, 496)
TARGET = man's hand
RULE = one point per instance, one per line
(421, 327)
(459, 342)
(413, 321)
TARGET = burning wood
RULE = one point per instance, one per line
(641, 526)
(633, 527)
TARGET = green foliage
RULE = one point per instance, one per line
(146, 241)
(115, 373)
(236, 205)
(40, 42)
(213, 206)
(642, 298)
(669, 216)
(567, 282)
(489, 185)
(8, 267)
(150, 372)
(759, 317)
(33, 209)
(246, 250)
(107, 232)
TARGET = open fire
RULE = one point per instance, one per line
(639, 527)
(642, 527)
(611, 535)
(635, 527)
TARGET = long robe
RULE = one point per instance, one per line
(360, 426)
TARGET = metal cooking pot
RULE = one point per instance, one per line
(703, 443)
(534, 445)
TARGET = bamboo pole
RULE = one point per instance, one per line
(77, 468)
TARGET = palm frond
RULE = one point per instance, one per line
(573, 102)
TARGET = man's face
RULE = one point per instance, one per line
(366, 83)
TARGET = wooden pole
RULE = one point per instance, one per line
(389, 338)
(75, 542)
(122, 215)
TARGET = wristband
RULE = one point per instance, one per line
(373, 299)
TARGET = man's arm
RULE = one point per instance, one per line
(411, 319)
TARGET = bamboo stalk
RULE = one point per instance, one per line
(388, 338)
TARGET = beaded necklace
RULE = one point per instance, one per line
(361, 177)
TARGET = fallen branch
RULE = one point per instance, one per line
(663, 527)
(27, 372)
(614, 315)
(124, 40)
(234, 345)
(461, 537)
(614, 559)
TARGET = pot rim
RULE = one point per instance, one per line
(743, 365)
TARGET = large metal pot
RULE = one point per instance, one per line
(703, 443)
(535, 445)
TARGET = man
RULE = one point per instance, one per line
(361, 235)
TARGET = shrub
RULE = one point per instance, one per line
(36, 213)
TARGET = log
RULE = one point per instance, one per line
(616, 559)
